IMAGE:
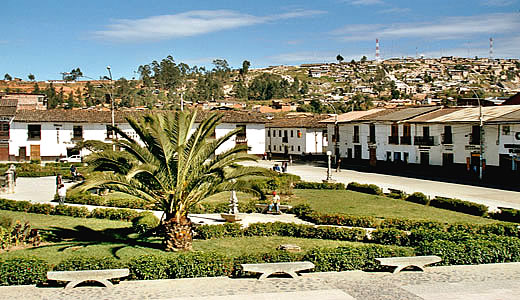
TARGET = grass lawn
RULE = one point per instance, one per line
(90, 237)
(360, 204)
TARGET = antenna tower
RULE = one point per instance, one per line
(491, 48)
(378, 57)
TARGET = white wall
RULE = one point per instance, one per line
(310, 141)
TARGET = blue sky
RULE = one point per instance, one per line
(48, 37)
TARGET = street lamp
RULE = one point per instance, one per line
(336, 141)
(112, 108)
(481, 131)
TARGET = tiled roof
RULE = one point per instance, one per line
(512, 117)
(404, 114)
(298, 121)
(434, 114)
(8, 111)
(353, 115)
(471, 114)
(97, 116)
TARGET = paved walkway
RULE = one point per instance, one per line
(493, 281)
(491, 197)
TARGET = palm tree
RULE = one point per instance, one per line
(173, 167)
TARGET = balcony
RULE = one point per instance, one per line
(423, 140)
(355, 139)
(446, 139)
(393, 140)
(406, 140)
(241, 140)
(285, 139)
(474, 140)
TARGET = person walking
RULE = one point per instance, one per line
(62, 193)
(338, 165)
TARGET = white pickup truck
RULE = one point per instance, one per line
(71, 159)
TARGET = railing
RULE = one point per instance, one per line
(355, 139)
(446, 139)
(474, 140)
(241, 140)
(423, 140)
(393, 140)
(285, 139)
(371, 139)
(406, 140)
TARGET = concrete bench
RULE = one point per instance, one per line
(77, 277)
(408, 261)
(268, 269)
(266, 206)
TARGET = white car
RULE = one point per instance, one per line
(71, 159)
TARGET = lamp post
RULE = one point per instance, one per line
(481, 131)
(336, 141)
(112, 107)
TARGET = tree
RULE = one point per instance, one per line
(72, 75)
(31, 77)
(172, 167)
(245, 68)
(339, 58)
(363, 59)
(7, 77)
(36, 89)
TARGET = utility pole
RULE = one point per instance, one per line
(112, 108)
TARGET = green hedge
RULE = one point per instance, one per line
(507, 214)
(460, 206)
(281, 229)
(319, 185)
(20, 271)
(145, 222)
(365, 188)
(71, 211)
(92, 199)
(419, 198)
(79, 263)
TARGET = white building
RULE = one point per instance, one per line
(49, 135)
(298, 134)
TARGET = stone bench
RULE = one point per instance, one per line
(77, 277)
(266, 206)
(268, 269)
(408, 261)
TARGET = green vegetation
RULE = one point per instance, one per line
(359, 204)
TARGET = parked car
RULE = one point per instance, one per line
(71, 159)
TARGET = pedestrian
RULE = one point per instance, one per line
(284, 166)
(290, 160)
(73, 172)
(62, 192)
(59, 181)
(338, 165)
(276, 168)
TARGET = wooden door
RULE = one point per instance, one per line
(35, 151)
(4, 152)
(22, 153)
(373, 157)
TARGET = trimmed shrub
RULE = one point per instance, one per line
(123, 214)
(145, 222)
(419, 198)
(319, 185)
(364, 188)
(199, 264)
(78, 263)
(71, 211)
(353, 257)
(206, 232)
(460, 206)
(342, 220)
(41, 208)
(507, 214)
(148, 267)
(390, 236)
(407, 224)
(23, 270)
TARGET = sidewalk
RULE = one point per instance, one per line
(493, 281)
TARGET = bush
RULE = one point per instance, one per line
(206, 232)
(92, 199)
(507, 214)
(342, 220)
(352, 257)
(408, 224)
(390, 236)
(71, 211)
(123, 214)
(319, 185)
(23, 270)
(460, 206)
(419, 198)
(41, 208)
(148, 267)
(473, 251)
(78, 263)
(268, 257)
(364, 188)
(145, 222)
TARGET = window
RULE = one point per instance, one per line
(274, 147)
(355, 138)
(372, 130)
(299, 134)
(269, 133)
(77, 132)
(292, 133)
(405, 157)
(506, 130)
(388, 156)
(4, 130)
(299, 149)
(268, 147)
(426, 131)
(34, 132)
(397, 156)
(447, 136)
(292, 147)
(274, 133)
(241, 137)
(279, 133)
